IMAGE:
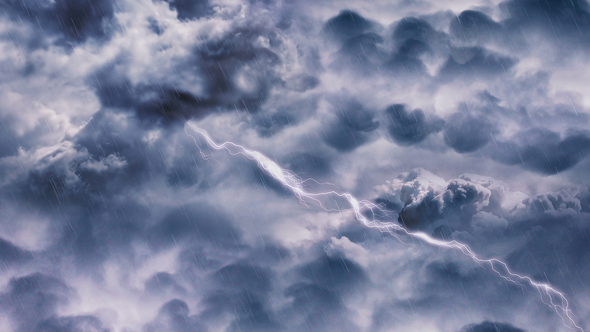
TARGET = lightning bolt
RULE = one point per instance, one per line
(556, 299)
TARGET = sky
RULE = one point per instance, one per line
(465, 121)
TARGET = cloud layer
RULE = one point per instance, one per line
(466, 121)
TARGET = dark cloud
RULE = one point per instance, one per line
(238, 73)
(472, 25)
(559, 237)
(318, 308)
(9, 253)
(475, 62)
(361, 52)
(488, 326)
(174, 316)
(407, 58)
(423, 200)
(74, 20)
(359, 43)
(272, 121)
(307, 165)
(413, 38)
(125, 187)
(242, 292)
(190, 9)
(417, 214)
(467, 133)
(449, 284)
(193, 222)
(34, 298)
(408, 128)
(352, 128)
(248, 309)
(9, 141)
(548, 232)
(412, 28)
(560, 20)
(262, 178)
(242, 276)
(72, 324)
(302, 83)
(334, 273)
(543, 151)
(163, 282)
(152, 104)
(222, 60)
(268, 125)
(347, 24)
(154, 26)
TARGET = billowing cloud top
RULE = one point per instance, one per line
(466, 121)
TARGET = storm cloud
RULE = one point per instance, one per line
(467, 122)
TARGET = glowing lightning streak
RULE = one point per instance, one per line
(557, 300)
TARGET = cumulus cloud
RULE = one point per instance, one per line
(490, 326)
(407, 128)
(117, 217)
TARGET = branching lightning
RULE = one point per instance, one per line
(556, 300)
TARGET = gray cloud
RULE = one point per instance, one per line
(72, 324)
(352, 126)
(32, 299)
(544, 151)
(74, 21)
(467, 133)
(488, 326)
(407, 128)
(103, 191)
